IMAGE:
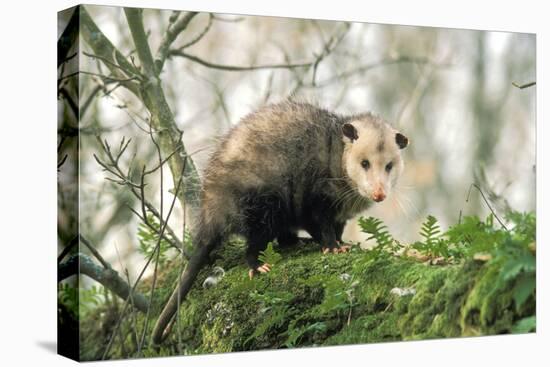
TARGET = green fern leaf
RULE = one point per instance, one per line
(269, 255)
(377, 231)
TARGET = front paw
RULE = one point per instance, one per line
(264, 268)
(336, 249)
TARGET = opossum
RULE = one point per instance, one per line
(289, 166)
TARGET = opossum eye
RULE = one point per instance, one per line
(389, 166)
(365, 164)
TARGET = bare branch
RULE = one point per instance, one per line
(94, 252)
(163, 228)
(164, 160)
(69, 58)
(64, 77)
(110, 78)
(68, 39)
(227, 20)
(327, 49)
(109, 278)
(89, 100)
(486, 203)
(162, 118)
(142, 196)
(523, 86)
(200, 35)
(106, 61)
(62, 161)
(367, 67)
(67, 249)
(211, 65)
(332, 43)
(149, 90)
(174, 242)
(104, 49)
(138, 191)
(174, 30)
(70, 101)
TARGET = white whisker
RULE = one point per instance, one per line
(405, 199)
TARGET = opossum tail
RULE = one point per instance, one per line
(164, 323)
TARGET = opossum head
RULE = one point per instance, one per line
(372, 160)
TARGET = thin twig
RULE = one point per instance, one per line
(174, 242)
(211, 65)
(61, 78)
(174, 30)
(327, 49)
(200, 35)
(94, 252)
(367, 67)
(109, 278)
(89, 100)
(62, 161)
(67, 249)
(132, 314)
(163, 228)
(142, 195)
(164, 160)
(523, 86)
(70, 101)
(103, 47)
(162, 117)
(161, 178)
(128, 72)
(68, 39)
(486, 202)
(228, 20)
(333, 42)
(136, 190)
(110, 78)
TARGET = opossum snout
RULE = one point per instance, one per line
(378, 195)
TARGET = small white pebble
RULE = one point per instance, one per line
(217, 274)
(345, 277)
(210, 282)
(403, 291)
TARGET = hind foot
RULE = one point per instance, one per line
(265, 268)
(337, 249)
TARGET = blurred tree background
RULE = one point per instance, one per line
(451, 91)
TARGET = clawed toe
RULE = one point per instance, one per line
(345, 248)
(265, 268)
(336, 249)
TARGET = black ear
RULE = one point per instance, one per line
(401, 140)
(350, 132)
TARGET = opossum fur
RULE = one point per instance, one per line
(286, 167)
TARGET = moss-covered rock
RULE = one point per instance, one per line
(311, 299)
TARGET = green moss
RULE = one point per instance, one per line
(313, 299)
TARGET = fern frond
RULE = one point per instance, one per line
(269, 255)
(430, 230)
(377, 231)
(148, 239)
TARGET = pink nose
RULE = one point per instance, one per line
(378, 195)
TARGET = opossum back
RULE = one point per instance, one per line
(267, 143)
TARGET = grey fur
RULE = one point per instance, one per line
(288, 141)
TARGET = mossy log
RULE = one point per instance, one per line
(311, 299)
